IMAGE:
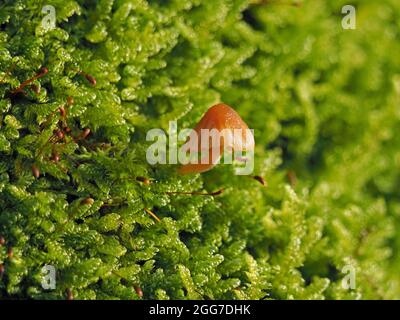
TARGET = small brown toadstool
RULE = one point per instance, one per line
(225, 131)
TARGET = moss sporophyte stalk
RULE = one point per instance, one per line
(84, 215)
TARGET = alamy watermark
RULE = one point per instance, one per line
(49, 20)
(349, 280)
(209, 146)
(349, 20)
(48, 277)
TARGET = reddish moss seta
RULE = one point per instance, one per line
(145, 180)
(69, 294)
(70, 100)
(55, 157)
(59, 134)
(42, 72)
(90, 78)
(35, 171)
(85, 133)
(260, 179)
(139, 291)
(10, 252)
(62, 111)
(291, 175)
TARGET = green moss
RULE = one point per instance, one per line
(324, 103)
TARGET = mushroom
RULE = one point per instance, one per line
(220, 129)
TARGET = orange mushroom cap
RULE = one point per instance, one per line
(225, 120)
